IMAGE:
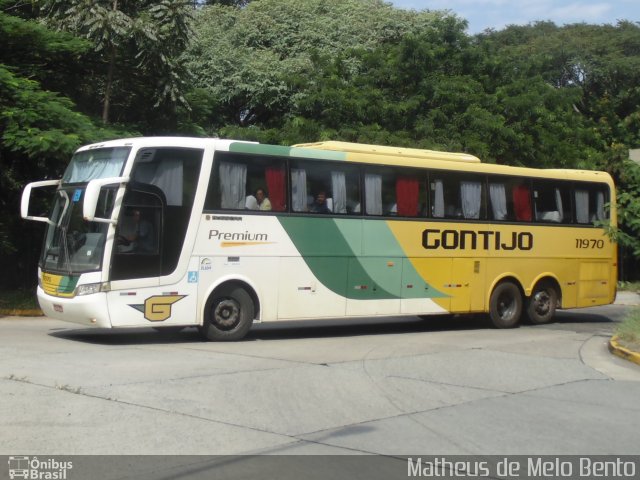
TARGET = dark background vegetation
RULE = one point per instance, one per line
(291, 71)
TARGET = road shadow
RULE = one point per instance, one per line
(279, 331)
(577, 320)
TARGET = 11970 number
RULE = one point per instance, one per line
(589, 243)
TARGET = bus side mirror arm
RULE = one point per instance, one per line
(26, 196)
(91, 195)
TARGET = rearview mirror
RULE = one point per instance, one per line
(91, 195)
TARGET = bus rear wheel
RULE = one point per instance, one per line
(505, 305)
(228, 315)
(541, 305)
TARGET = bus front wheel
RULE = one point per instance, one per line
(228, 315)
(541, 305)
(505, 305)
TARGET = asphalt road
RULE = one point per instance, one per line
(399, 387)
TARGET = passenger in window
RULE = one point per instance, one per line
(136, 235)
(263, 200)
(319, 205)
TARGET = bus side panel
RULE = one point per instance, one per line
(438, 271)
(260, 273)
(374, 286)
(593, 286)
(302, 295)
(153, 306)
(418, 297)
(468, 282)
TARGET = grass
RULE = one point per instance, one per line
(18, 299)
(628, 331)
(629, 286)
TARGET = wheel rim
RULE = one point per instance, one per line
(506, 306)
(542, 303)
(226, 314)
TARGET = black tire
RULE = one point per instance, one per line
(228, 315)
(505, 305)
(541, 305)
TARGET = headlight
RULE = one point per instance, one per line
(88, 289)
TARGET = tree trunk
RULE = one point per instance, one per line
(107, 89)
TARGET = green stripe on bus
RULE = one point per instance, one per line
(333, 250)
(379, 242)
(260, 149)
(68, 284)
(320, 154)
(280, 151)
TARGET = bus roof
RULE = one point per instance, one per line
(361, 153)
(407, 153)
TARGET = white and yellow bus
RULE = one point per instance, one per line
(175, 232)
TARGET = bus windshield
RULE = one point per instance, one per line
(93, 164)
(73, 245)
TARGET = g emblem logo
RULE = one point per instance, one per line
(158, 307)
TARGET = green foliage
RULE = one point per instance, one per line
(39, 130)
(628, 331)
(629, 207)
(253, 59)
(41, 124)
(18, 300)
(139, 44)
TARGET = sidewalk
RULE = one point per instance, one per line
(627, 298)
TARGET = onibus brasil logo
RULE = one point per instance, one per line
(33, 468)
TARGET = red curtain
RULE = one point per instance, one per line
(522, 203)
(407, 191)
(275, 177)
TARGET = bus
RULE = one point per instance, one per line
(176, 232)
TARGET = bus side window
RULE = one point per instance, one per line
(457, 196)
(522, 202)
(410, 195)
(266, 185)
(445, 197)
(323, 187)
(380, 188)
(498, 200)
(551, 201)
(471, 198)
(244, 182)
(373, 193)
(233, 185)
(510, 199)
(590, 203)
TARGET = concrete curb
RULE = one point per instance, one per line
(622, 352)
(16, 312)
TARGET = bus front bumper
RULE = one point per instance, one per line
(89, 310)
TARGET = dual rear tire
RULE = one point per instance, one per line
(507, 304)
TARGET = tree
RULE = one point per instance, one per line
(39, 130)
(251, 60)
(140, 40)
